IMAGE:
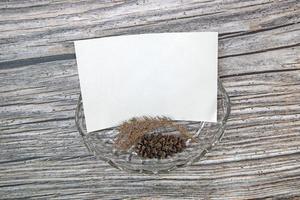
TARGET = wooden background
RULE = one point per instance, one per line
(42, 155)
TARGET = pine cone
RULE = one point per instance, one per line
(159, 146)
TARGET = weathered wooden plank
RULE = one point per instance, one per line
(41, 153)
(252, 26)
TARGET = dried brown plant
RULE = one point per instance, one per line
(131, 131)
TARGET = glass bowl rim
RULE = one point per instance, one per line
(219, 134)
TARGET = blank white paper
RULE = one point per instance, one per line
(165, 74)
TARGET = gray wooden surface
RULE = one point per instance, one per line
(41, 153)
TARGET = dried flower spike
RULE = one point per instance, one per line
(133, 130)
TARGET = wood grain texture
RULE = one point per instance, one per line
(41, 153)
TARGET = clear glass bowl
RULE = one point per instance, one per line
(207, 135)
